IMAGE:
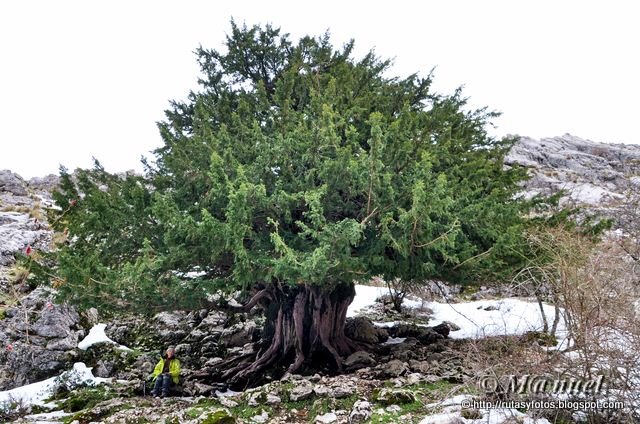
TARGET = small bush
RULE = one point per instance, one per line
(13, 409)
(86, 398)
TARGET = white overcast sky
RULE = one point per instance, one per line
(90, 78)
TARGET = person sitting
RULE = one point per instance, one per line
(166, 373)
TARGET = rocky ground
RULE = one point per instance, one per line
(404, 375)
(598, 176)
(407, 371)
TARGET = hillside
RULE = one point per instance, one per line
(596, 175)
(418, 365)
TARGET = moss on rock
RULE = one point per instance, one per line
(220, 416)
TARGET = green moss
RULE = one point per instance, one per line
(410, 399)
(208, 402)
(85, 398)
(327, 404)
(246, 412)
(39, 409)
(193, 413)
(221, 416)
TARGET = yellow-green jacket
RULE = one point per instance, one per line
(174, 370)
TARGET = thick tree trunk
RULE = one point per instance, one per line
(304, 323)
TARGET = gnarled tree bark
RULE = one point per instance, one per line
(304, 323)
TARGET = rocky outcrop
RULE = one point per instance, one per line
(12, 183)
(593, 174)
(40, 339)
(361, 329)
(22, 220)
(46, 184)
(17, 231)
(239, 334)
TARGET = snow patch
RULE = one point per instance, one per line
(452, 412)
(36, 393)
(97, 335)
(485, 318)
(365, 296)
(47, 417)
(476, 319)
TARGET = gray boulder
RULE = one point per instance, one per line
(46, 184)
(361, 329)
(392, 369)
(170, 327)
(17, 231)
(12, 183)
(358, 360)
(41, 339)
(301, 391)
(238, 334)
(596, 175)
(361, 412)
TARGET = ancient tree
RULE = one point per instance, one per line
(293, 172)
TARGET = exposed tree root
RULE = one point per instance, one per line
(305, 323)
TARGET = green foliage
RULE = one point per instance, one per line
(294, 163)
(85, 398)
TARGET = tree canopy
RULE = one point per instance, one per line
(294, 163)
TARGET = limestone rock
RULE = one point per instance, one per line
(395, 396)
(362, 329)
(359, 359)
(361, 412)
(239, 334)
(273, 399)
(170, 327)
(592, 174)
(301, 391)
(43, 337)
(260, 418)
(12, 183)
(394, 368)
(46, 184)
(327, 418)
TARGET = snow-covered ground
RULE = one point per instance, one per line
(36, 393)
(483, 318)
(80, 375)
(451, 412)
(47, 417)
(476, 319)
(365, 296)
(97, 335)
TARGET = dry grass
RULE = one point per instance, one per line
(15, 208)
(18, 274)
(595, 288)
(36, 211)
